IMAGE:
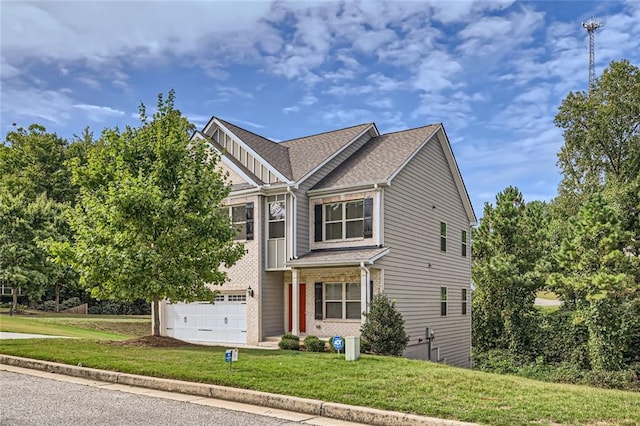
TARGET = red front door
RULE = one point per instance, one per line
(302, 320)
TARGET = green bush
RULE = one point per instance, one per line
(313, 344)
(383, 331)
(72, 302)
(289, 342)
(112, 307)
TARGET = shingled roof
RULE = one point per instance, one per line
(308, 152)
(379, 159)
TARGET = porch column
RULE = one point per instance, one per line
(295, 303)
(364, 289)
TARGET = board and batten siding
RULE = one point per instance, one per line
(421, 196)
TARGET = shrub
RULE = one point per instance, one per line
(313, 344)
(290, 342)
(72, 302)
(112, 307)
(383, 330)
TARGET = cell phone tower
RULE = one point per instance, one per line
(592, 26)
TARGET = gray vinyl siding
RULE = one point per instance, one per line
(335, 162)
(421, 196)
(302, 226)
(272, 303)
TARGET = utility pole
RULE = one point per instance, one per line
(592, 26)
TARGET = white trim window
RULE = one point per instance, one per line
(344, 220)
(238, 216)
(342, 301)
(443, 236)
(443, 301)
(276, 217)
(464, 301)
(464, 243)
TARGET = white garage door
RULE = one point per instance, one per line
(222, 322)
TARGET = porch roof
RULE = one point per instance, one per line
(339, 257)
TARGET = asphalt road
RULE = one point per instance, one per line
(28, 400)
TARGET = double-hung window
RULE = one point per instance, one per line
(344, 220)
(276, 216)
(342, 301)
(443, 301)
(241, 217)
(443, 236)
(464, 243)
(464, 301)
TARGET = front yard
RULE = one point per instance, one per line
(381, 382)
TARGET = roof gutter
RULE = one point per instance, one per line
(350, 188)
(294, 223)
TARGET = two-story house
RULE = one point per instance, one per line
(329, 220)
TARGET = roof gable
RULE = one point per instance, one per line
(383, 157)
(379, 159)
(307, 153)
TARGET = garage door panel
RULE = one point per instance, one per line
(206, 322)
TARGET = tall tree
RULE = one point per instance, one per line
(146, 222)
(23, 264)
(508, 248)
(602, 131)
(32, 161)
(596, 268)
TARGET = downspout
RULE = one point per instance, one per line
(378, 217)
(365, 291)
(294, 224)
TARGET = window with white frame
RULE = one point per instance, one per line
(240, 220)
(344, 220)
(276, 216)
(443, 301)
(443, 236)
(464, 301)
(464, 243)
(342, 301)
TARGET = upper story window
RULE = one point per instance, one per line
(344, 220)
(464, 243)
(241, 217)
(277, 214)
(464, 301)
(276, 247)
(443, 301)
(443, 236)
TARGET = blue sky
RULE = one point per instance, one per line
(494, 72)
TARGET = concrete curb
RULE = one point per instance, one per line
(314, 407)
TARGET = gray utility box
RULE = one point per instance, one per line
(352, 348)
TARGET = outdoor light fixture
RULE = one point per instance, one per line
(249, 292)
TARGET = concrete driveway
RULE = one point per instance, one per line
(8, 335)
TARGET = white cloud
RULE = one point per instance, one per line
(99, 113)
(291, 109)
(27, 106)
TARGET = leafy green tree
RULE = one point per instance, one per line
(33, 161)
(383, 330)
(146, 223)
(602, 131)
(597, 268)
(509, 250)
(23, 264)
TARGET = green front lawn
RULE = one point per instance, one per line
(380, 382)
(80, 326)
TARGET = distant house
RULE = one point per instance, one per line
(328, 220)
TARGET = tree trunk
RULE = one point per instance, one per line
(155, 311)
(14, 302)
(57, 298)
